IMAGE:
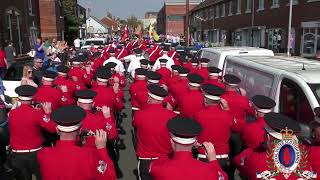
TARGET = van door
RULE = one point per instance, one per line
(294, 103)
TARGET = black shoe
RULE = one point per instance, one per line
(120, 145)
(118, 172)
(121, 131)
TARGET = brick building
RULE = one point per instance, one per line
(171, 17)
(51, 19)
(231, 22)
(19, 23)
(110, 22)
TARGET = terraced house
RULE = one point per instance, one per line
(260, 23)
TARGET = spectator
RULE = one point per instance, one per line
(27, 76)
(10, 53)
(3, 62)
(37, 70)
(32, 53)
(77, 43)
(46, 47)
(39, 48)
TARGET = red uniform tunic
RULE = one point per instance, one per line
(135, 87)
(184, 167)
(152, 132)
(216, 129)
(253, 133)
(106, 97)
(67, 97)
(81, 74)
(49, 94)
(97, 63)
(239, 108)
(68, 161)
(190, 103)
(94, 122)
(203, 72)
(165, 74)
(121, 54)
(25, 125)
(314, 153)
(216, 82)
(179, 89)
(122, 80)
(187, 65)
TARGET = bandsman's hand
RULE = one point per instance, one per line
(46, 106)
(210, 151)
(101, 139)
(106, 112)
(224, 104)
(243, 92)
(64, 89)
(88, 69)
(116, 79)
(116, 88)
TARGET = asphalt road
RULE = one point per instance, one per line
(128, 160)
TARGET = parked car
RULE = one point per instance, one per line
(98, 43)
(293, 83)
(217, 55)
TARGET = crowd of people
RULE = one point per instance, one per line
(188, 122)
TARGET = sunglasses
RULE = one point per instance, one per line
(29, 72)
(40, 62)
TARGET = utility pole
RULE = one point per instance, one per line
(289, 29)
(187, 22)
(252, 22)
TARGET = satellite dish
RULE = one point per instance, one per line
(90, 29)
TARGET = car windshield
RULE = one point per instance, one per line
(316, 91)
(97, 43)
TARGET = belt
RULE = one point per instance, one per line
(26, 151)
(135, 108)
(223, 156)
(141, 158)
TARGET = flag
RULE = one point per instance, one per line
(125, 34)
(150, 30)
(156, 36)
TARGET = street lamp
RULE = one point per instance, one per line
(289, 29)
(252, 22)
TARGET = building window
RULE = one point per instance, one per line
(261, 5)
(238, 6)
(175, 18)
(217, 11)
(249, 6)
(30, 7)
(311, 40)
(230, 8)
(275, 4)
(223, 12)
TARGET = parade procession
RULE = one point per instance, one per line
(152, 105)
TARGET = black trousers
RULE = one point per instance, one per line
(25, 164)
(143, 169)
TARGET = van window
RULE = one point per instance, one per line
(255, 82)
(214, 58)
(294, 103)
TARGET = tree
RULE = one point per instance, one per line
(71, 20)
(133, 21)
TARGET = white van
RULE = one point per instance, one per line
(294, 83)
(217, 55)
(98, 43)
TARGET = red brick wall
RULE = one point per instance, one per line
(50, 21)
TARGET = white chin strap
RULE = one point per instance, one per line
(194, 84)
(68, 129)
(23, 98)
(185, 141)
(102, 80)
(62, 74)
(155, 97)
(212, 97)
(85, 101)
(183, 75)
(214, 74)
(153, 81)
(47, 79)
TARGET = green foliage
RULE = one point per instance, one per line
(71, 21)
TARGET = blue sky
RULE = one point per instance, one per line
(121, 8)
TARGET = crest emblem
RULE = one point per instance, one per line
(102, 167)
(78, 87)
(108, 126)
(45, 118)
(287, 157)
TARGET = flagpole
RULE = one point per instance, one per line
(187, 21)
